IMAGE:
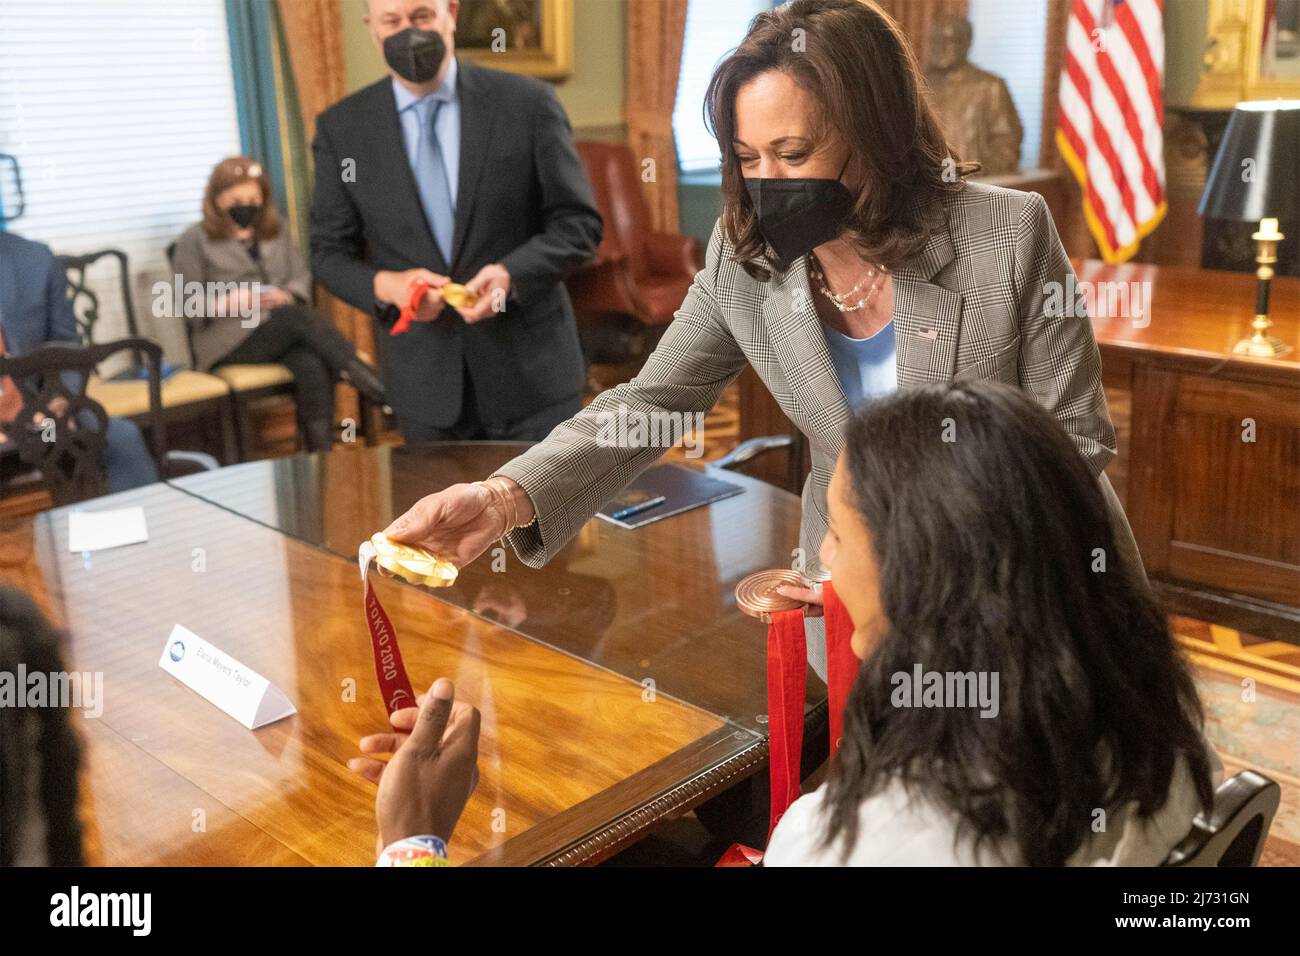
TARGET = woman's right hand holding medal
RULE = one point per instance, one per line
(461, 522)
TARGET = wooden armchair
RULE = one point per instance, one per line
(60, 432)
(186, 395)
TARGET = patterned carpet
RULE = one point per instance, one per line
(1251, 691)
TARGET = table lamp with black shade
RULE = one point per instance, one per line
(1256, 178)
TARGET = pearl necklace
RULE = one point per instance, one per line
(876, 275)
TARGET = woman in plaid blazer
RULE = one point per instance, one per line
(851, 259)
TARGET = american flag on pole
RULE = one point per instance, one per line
(1111, 125)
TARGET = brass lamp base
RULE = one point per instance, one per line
(1261, 343)
(1266, 346)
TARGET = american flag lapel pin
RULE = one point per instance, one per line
(930, 334)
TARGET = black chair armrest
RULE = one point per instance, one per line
(190, 462)
(748, 450)
(1238, 823)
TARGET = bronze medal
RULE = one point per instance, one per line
(756, 594)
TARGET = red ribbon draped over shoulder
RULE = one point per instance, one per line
(787, 681)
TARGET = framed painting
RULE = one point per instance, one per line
(523, 36)
(1252, 52)
(1273, 47)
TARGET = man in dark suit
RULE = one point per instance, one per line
(448, 172)
(35, 312)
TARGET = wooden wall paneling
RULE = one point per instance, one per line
(1177, 240)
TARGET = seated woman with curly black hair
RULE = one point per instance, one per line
(40, 755)
(969, 540)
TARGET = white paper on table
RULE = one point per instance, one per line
(97, 530)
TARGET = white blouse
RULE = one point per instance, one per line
(899, 829)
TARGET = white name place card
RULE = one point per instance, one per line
(216, 676)
(97, 530)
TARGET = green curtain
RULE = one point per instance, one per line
(252, 50)
(294, 148)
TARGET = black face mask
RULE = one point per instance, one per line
(796, 216)
(415, 55)
(244, 214)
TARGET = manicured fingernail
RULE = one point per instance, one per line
(442, 689)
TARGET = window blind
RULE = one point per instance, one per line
(713, 29)
(117, 111)
(1010, 39)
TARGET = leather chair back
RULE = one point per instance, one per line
(615, 177)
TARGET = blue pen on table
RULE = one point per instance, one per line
(631, 511)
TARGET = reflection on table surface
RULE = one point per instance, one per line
(568, 749)
(654, 604)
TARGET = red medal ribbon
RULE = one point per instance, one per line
(394, 685)
(841, 663)
(407, 316)
(787, 684)
(740, 855)
(787, 675)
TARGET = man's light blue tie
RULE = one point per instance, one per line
(431, 180)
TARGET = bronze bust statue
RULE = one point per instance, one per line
(978, 116)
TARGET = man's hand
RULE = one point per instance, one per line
(434, 768)
(394, 288)
(58, 407)
(491, 285)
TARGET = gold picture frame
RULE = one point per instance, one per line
(1279, 78)
(1233, 68)
(533, 37)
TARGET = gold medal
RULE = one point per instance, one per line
(757, 596)
(412, 564)
(457, 296)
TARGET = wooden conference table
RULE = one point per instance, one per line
(618, 686)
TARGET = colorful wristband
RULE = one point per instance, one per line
(415, 851)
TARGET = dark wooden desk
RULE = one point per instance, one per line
(587, 742)
(1209, 442)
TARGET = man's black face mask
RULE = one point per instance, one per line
(415, 55)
